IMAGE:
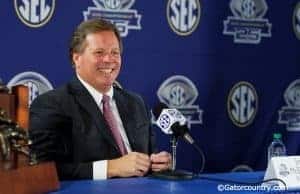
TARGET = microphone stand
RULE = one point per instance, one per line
(173, 174)
(174, 147)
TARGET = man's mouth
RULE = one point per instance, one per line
(105, 70)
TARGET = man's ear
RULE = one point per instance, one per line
(76, 59)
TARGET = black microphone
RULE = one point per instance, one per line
(172, 121)
(177, 122)
(182, 131)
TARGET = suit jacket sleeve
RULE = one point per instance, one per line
(51, 136)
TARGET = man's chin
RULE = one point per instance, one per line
(108, 84)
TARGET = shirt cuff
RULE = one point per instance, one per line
(100, 170)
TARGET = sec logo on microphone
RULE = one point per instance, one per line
(164, 121)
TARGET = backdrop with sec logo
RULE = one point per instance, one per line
(231, 67)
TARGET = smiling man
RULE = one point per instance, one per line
(89, 127)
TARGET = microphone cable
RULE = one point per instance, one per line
(199, 150)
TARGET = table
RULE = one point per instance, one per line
(148, 185)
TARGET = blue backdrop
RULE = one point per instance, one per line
(231, 66)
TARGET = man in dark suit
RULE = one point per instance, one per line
(89, 127)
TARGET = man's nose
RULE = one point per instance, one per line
(107, 57)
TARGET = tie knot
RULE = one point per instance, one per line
(105, 98)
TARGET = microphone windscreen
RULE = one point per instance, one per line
(158, 109)
(179, 130)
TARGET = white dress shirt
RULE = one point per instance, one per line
(100, 167)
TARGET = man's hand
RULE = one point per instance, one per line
(132, 164)
(160, 161)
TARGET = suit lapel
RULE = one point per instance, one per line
(86, 101)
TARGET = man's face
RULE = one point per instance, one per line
(99, 63)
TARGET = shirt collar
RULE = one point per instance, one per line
(97, 96)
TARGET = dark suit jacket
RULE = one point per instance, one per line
(67, 126)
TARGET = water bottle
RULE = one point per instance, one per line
(276, 148)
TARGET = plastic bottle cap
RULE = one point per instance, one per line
(277, 136)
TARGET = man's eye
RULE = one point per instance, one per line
(99, 53)
(115, 53)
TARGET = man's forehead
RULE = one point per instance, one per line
(102, 38)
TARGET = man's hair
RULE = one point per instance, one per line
(77, 43)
